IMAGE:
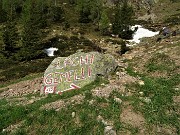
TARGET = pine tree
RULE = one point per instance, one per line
(41, 12)
(10, 31)
(10, 38)
(3, 16)
(83, 6)
(89, 10)
(104, 23)
(96, 7)
(56, 14)
(31, 35)
(123, 20)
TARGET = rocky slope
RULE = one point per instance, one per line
(122, 106)
(141, 97)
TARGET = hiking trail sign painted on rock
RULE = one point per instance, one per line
(76, 71)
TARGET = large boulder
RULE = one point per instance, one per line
(76, 71)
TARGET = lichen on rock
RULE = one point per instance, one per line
(76, 71)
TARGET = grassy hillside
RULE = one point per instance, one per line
(141, 97)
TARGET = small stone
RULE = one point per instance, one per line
(36, 90)
(99, 118)
(105, 122)
(176, 89)
(57, 110)
(129, 57)
(117, 73)
(158, 129)
(118, 100)
(73, 114)
(109, 131)
(141, 93)
(141, 83)
(176, 99)
(102, 84)
(91, 102)
(31, 101)
(108, 128)
(147, 100)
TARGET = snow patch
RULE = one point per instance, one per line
(141, 33)
(50, 51)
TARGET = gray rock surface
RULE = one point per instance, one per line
(109, 131)
(76, 71)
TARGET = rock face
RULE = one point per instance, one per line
(76, 71)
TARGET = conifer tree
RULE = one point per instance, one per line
(3, 16)
(10, 31)
(89, 10)
(41, 12)
(123, 20)
(10, 38)
(96, 10)
(31, 34)
(83, 7)
(56, 14)
(104, 23)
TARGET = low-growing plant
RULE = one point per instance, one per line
(175, 20)
(161, 62)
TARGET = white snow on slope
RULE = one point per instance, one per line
(141, 33)
(50, 51)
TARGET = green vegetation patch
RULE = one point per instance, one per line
(154, 99)
(160, 62)
(161, 109)
(47, 122)
(84, 122)
(11, 71)
(174, 20)
(156, 102)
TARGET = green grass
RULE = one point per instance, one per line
(161, 109)
(12, 113)
(38, 121)
(52, 122)
(160, 62)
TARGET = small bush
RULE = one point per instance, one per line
(74, 38)
(173, 20)
(5, 63)
(66, 25)
(126, 34)
(15, 70)
(57, 14)
(124, 48)
(87, 42)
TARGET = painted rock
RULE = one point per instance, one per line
(76, 71)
